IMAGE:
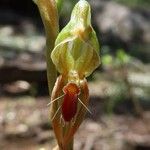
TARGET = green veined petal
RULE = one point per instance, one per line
(76, 47)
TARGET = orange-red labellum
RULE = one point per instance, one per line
(69, 105)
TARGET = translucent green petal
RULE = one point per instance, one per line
(76, 47)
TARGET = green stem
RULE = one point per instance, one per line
(49, 15)
(51, 70)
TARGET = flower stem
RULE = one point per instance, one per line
(51, 70)
(49, 14)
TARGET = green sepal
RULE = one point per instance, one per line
(76, 47)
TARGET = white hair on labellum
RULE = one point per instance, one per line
(84, 106)
(55, 99)
(55, 113)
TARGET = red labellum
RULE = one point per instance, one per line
(69, 105)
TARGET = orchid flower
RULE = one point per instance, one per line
(75, 55)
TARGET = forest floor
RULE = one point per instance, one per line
(24, 125)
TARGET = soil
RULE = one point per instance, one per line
(24, 125)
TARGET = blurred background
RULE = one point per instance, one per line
(119, 88)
